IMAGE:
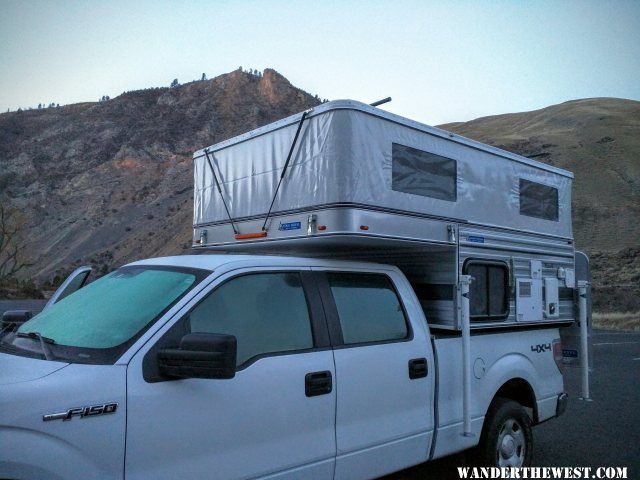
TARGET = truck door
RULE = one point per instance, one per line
(384, 419)
(275, 418)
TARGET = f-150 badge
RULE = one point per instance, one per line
(82, 412)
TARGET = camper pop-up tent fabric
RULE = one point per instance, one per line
(351, 154)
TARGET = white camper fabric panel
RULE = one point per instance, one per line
(249, 172)
(346, 156)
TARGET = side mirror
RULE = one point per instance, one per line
(201, 355)
(12, 319)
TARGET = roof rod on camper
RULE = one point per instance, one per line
(380, 102)
(213, 172)
(286, 165)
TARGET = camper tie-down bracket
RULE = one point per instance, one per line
(286, 165)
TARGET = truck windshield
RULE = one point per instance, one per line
(98, 322)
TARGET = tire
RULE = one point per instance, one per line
(506, 439)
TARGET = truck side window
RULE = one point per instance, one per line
(488, 294)
(267, 312)
(368, 308)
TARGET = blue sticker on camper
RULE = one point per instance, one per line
(569, 353)
(474, 239)
(290, 226)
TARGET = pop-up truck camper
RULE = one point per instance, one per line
(370, 293)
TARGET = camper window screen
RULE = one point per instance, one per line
(537, 200)
(423, 173)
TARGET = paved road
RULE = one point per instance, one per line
(600, 433)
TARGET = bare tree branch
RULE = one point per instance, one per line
(11, 258)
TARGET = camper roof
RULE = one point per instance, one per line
(363, 107)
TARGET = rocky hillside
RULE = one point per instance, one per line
(105, 183)
(599, 140)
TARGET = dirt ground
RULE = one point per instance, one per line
(629, 322)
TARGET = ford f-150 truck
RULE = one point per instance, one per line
(224, 366)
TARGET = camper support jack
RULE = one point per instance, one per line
(465, 325)
(584, 339)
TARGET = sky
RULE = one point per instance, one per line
(440, 61)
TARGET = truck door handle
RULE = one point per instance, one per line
(418, 368)
(317, 383)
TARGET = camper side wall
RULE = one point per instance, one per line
(518, 279)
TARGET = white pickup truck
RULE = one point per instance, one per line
(243, 366)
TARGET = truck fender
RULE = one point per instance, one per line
(46, 456)
(512, 376)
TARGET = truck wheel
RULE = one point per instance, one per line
(506, 439)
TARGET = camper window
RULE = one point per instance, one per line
(423, 173)
(537, 200)
(488, 294)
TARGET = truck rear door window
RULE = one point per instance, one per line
(423, 173)
(267, 312)
(368, 308)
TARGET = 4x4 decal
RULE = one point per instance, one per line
(541, 348)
